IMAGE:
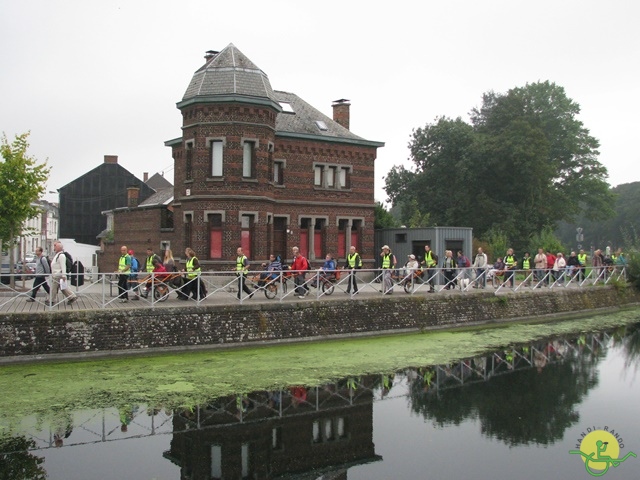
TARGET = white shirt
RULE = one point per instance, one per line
(59, 265)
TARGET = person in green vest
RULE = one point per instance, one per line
(353, 263)
(388, 263)
(430, 262)
(242, 267)
(194, 287)
(149, 268)
(582, 260)
(527, 266)
(124, 265)
(511, 262)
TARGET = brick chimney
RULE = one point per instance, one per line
(133, 193)
(341, 112)
(145, 177)
(111, 159)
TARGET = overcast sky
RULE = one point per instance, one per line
(91, 78)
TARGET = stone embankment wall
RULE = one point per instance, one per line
(32, 336)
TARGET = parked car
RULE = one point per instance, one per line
(28, 270)
(30, 258)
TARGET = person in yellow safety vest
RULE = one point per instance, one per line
(194, 287)
(353, 263)
(430, 262)
(582, 260)
(242, 267)
(149, 267)
(527, 266)
(511, 262)
(388, 264)
(124, 265)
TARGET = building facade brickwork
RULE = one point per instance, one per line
(264, 170)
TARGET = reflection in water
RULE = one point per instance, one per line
(520, 395)
(535, 389)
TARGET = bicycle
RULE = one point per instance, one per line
(327, 281)
(409, 280)
(270, 285)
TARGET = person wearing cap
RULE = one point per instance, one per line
(124, 265)
(412, 264)
(388, 264)
(410, 267)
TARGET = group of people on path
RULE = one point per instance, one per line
(187, 282)
(299, 266)
(57, 270)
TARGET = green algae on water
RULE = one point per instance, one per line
(187, 379)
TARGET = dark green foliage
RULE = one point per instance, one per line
(522, 164)
(383, 219)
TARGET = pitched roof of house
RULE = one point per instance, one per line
(158, 182)
(163, 196)
(301, 118)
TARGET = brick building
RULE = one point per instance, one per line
(261, 169)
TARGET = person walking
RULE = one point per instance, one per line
(299, 268)
(59, 275)
(480, 266)
(449, 270)
(43, 269)
(430, 262)
(353, 263)
(194, 287)
(124, 266)
(511, 263)
(540, 264)
(242, 267)
(133, 275)
(150, 258)
(388, 265)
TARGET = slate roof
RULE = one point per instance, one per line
(164, 196)
(157, 182)
(304, 117)
(229, 72)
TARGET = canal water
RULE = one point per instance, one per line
(526, 402)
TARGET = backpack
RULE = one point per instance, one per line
(47, 267)
(467, 262)
(308, 264)
(135, 265)
(69, 259)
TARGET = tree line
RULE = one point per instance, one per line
(523, 163)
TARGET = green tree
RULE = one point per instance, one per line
(383, 219)
(523, 163)
(22, 182)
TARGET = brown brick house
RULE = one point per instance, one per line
(261, 169)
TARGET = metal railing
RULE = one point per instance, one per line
(212, 287)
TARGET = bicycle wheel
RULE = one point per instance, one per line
(160, 293)
(327, 288)
(408, 285)
(271, 290)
